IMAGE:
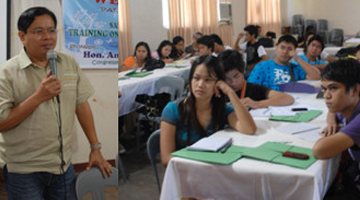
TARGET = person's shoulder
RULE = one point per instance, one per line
(65, 56)
(302, 56)
(18, 61)
(252, 86)
(266, 63)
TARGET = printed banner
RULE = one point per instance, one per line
(91, 32)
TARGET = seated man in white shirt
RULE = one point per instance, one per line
(218, 45)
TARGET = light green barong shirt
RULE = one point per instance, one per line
(33, 145)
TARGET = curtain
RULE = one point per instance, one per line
(188, 16)
(19, 6)
(125, 41)
(265, 13)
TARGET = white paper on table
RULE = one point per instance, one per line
(311, 136)
(296, 128)
(210, 144)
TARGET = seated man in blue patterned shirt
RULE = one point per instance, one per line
(272, 73)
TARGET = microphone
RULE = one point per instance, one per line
(51, 56)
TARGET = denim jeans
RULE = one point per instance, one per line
(40, 185)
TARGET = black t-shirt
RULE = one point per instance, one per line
(255, 92)
(252, 55)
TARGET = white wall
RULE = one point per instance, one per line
(238, 9)
(146, 22)
(340, 14)
(3, 31)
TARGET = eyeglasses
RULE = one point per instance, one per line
(41, 32)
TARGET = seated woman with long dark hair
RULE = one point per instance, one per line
(141, 55)
(204, 111)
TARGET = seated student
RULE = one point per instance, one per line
(312, 52)
(251, 95)
(324, 56)
(163, 52)
(204, 111)
(141, 55)
(178, 48)
(218, 45)
(271, 35)
(341, 84)
(358, 53)
(302, 40)
(272, 73)
(255, 52)
(192, 48)
(206, 45)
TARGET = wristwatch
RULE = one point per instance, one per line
(98, 146)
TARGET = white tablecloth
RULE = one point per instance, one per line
(131, 87)
(249, 178)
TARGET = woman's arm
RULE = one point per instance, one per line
(241, 119)
(167, 141)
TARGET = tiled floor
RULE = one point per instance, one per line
(141, 178)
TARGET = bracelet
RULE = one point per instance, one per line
(98, 146)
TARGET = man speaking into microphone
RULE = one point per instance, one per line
(35, 128)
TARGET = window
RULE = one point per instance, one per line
(165, 12)
(224, 12)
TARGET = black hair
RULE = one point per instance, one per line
(207, 41)
(177, 39)
(197, 33)
(345, 71)
(144, 44)
(217, 39)
(358, 47)
(252, 30)
(317, 38)
(287, 39)
(271, 34)
(187, 110)
(162, 44)
(231, 59)
(28, 16)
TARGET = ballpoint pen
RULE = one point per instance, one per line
(223, 150)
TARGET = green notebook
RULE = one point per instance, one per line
(231, 155)
(299, 117)
(137, 74)
(272, 152)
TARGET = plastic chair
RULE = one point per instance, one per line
(168, 84)
(153, 149)
(310, 22)
(120, 167)
(336, 37)
(322, 25)
(266, 42)
(297, 25)
(92, 181)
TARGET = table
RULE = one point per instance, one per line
(131, 87)
(352, 42)
(253, 179)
